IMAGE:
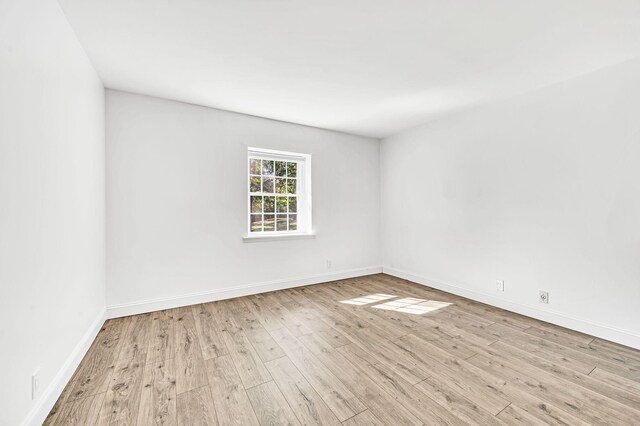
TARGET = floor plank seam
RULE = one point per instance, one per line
(255, 412)
(498, 413)
(263, 383)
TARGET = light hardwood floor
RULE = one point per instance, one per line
(302, 356)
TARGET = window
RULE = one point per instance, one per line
(279, 195)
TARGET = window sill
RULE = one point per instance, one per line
(277, 237)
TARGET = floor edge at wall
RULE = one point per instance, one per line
(144, 306)
(623, 337)
(48, 398)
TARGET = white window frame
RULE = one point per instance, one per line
(303, 189)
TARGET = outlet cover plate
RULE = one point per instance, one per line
(544, 297)
(34, 384)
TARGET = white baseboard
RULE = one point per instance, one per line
(624, 337)
(45, 403)
(150, 305)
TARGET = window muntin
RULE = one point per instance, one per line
(279, 193)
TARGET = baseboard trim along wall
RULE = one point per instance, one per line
(143, 306)
(48, 398)
(624, 337)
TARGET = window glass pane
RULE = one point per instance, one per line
(273, 193)
(255, 167)
(269, 204)
(256, 204)
(291, 186)
(267, 184)
(256, 222)
(293, 204)
(268, 222)
(281, 168)
(267, 167)
(281, 222)
(254, 184)
(292, 169)
(281, 204)
(281, 185)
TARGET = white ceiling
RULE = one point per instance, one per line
(369, 67)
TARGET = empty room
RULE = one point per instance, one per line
(278, 212)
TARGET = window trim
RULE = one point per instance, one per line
(303, 186)
(278, 237)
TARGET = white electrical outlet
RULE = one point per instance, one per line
(34, 384)
(500, 285)
(544, 297)
(328, 264)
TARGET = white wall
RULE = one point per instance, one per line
(542, 191)
(52, 208)
(176, 202)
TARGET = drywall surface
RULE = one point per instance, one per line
(177, 201)
(541, 191)
(52, 201)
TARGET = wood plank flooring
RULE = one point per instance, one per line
(374, 350)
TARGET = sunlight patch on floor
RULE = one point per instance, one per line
(408, 305)
(371, 298)
(411, 305)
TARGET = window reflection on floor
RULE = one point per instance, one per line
(408, 305)
(371, 298)
(412, 305)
